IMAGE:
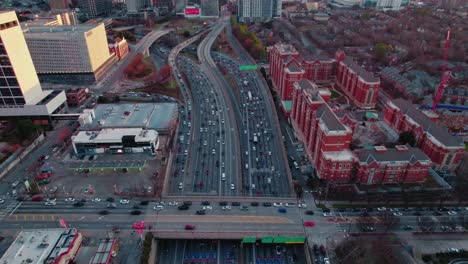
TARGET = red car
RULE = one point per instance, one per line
(309, 224)
(189, 227)
(37, 198)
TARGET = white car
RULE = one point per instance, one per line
(13, 185)
(381, 209)
(397, 214)
(302, 205)
(232, 186)
(327, 214)
(173, 203)
(277, 204)
(181, 185)
(96, 200)
(51, 200)
(70, 199)
(326, 260)
(158, 207)
(289, 204)
(2, 201)
(208, 207)
(452, 213)
(50, 203)
(124, 201)
(227, 207)
(46, 157)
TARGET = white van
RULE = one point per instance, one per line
(223, 176)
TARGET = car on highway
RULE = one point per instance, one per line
(104, 212)
(2, 201)
(254, 204)
(227, 207)
(266, 204)
(50, 203)
(327, 214)
(69, 199)
(158, 207)
(14, 184)
(183, 207)
(290, 204)
(282, 210)
(110, 199)
(78, 204)
(244, 208)
(207, 207)
(181, 185)
(235, 204)
(112, 205)
(407, 227)
(173, 203)
(452, 213)
(302, 205)
(96, 200)
(135, 212)
(277, 204)
(223, 203)
(326, 210)
(309, 212)
(397, 213)
(124, 201)
(189, 227)
(232, 186)
(200, 212)
(309, 224)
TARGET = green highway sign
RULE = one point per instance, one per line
(248, 67)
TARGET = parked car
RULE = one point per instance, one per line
(135, 212)
(189, 227)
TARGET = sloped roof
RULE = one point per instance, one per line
(412, 155)
(294, 67)
(329, 118)
(361, 72)
(438, 131)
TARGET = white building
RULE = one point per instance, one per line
(69, 49)
(116, 140)
(55, 245)
(258, 10)
(21, 94)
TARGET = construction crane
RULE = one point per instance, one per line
(445, 74)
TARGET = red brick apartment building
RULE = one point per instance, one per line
(287, 67)
(325, 138)
(119, 47)
(361, 86)
(399, 164)
(444, 150)
(75, 97)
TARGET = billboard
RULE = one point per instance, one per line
(192, 11)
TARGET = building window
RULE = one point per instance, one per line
(16, 92)
(4, 61)
(20, 101)
(5, 92)
(2, 50)
(8, 71)
(12, 81)
(9, 101)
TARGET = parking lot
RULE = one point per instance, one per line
(101, 175)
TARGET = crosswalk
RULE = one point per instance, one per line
(5, 212)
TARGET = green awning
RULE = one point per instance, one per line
(280, 239)
(249, 240)
(371, 115)
(267, 240)
(296, 240)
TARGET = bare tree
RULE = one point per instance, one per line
(389, 220)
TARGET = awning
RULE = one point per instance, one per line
(267, 240)
(249, 240)
(296, 240)
(280, 239)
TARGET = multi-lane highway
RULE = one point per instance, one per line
(266, 174)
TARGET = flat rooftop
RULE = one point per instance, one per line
(156, 116)
(115, 135)
(56, 29)
(36, 246)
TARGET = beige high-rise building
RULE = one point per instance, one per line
(69, 49)
(20, 91)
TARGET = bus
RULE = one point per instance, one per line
(250, 95)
